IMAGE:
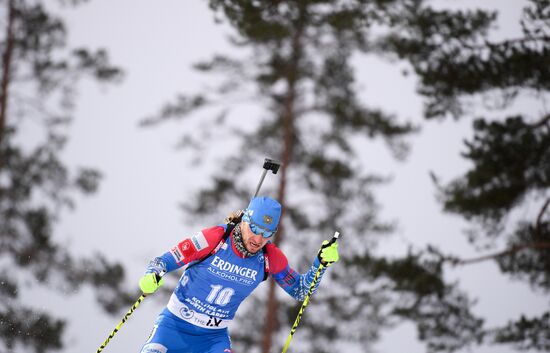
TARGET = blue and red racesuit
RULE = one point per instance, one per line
(209, 292)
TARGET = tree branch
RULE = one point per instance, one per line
(539, 217)
(492, 45)
(520, 40)
(514, 249)
(542, 122)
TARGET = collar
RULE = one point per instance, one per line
(238, 243)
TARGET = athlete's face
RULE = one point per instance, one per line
(252, 242)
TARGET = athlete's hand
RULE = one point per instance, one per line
(150, 283)
(328, 253)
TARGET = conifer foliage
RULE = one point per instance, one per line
(38, 80)
(297, 69)
(506, 192)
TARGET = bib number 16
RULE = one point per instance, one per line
(220, 295)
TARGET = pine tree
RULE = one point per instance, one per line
(505, 194)
(37, 86)
(299, 75)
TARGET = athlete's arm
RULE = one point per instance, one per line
(295, 284)
(188, 250)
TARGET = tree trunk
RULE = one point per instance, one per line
(271, 323)
(288, 117)
(6, 70)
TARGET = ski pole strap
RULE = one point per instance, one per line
(124, 319)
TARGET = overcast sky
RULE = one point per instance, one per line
(135, 217)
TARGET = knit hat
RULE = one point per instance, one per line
(263, 214)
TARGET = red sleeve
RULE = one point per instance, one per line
(276, 259)
(197, 246)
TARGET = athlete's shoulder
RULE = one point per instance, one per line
(277, 259)
(197, 246)
(213, 235)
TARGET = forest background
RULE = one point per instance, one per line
(145, 175)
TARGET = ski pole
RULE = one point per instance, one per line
(306, 301)
(125, 318)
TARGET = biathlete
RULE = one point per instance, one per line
(223, 267)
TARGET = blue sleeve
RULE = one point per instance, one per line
(162, 264)
(297, 285)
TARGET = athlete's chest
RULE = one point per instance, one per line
(225, 266)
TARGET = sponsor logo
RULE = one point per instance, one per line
(176, 253)
(289, 279)
(230, 277)
(227, 266)
(204, 310)
(199, 241)
(231, 272)
(210, 321)
(154, 348)
(214, 322)
(186, 312)
(187, 248)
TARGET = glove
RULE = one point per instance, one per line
(150, 283)
(328, 253)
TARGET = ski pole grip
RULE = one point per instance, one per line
(158, 276)
(334, 238)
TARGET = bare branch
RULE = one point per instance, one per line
(542, 122)
(514, 249)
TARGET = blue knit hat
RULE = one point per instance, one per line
(263, 214)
